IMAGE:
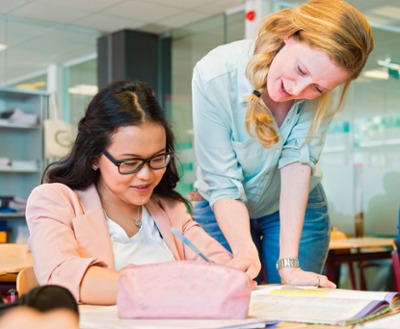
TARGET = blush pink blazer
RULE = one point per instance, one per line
(69, 233)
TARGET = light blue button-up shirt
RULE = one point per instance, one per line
(230, 162)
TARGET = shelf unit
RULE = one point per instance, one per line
(21, 142)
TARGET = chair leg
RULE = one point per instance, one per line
(352, 276)
(396, 269)
(363, 281)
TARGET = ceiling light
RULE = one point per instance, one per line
(3, 46)
(378, 20)
(377, 74)
(32, 86)
(89, 90)
(387, 11)
(388, 63)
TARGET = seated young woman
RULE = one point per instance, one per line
(111, 202)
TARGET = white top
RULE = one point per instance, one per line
(145, 247)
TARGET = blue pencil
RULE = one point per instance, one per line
(189, 243)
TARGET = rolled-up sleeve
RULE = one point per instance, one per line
(220, 174)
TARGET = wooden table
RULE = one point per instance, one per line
(13, 258)
(101, 321)
(358, 250)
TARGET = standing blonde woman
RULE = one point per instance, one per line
(261, 110)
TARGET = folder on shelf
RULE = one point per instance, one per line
(3, 232)
(18, 116)
(11, 204)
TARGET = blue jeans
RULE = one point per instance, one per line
(314, 241)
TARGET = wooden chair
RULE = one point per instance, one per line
(338, 235)
(396, 269)
(13, 258)
(26, 280)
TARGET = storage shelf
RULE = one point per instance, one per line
(18, 170)
(22, 143)
(18, 126)
(365, 144)
(22, 146)
(12, 215)
(334, 149)
(377, 143)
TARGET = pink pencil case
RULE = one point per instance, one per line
(183, 290)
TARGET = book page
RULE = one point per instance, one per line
(386, 322)
(312, 305)
(311, 309)
(390, 297)
(360, 294)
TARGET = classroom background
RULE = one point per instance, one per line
(58, 52)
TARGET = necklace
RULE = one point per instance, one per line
(138, 220)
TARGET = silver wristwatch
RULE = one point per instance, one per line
(287, 262)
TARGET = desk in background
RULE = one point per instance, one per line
(358, 250)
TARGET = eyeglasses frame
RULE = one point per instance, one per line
(144, 161)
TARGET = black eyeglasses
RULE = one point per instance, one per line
(131, 166)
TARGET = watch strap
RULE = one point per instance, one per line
(287, 262)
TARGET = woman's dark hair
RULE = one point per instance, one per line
(120, 104)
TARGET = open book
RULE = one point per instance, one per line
(319, 305)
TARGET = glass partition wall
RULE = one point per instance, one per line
(361, 160)
(29, 47)
(189, 45)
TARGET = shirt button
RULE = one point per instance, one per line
(278, 150)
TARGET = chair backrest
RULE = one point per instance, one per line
(396, 259)
(398, 231)
(337, 235)
(396, 269)
(26, 280)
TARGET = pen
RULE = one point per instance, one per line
(189, 243)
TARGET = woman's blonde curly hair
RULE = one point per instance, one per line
(331, 26)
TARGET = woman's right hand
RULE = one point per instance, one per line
(295, 276)
(245, 254)
(247, 260)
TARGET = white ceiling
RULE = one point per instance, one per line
(112, 15)
(40, 32)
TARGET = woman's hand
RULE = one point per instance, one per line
(295, 276)
(247, 260)
(233, 219)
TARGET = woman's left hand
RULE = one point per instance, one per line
(295, 276)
